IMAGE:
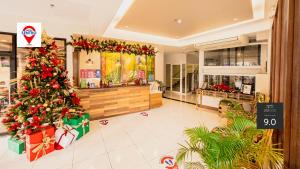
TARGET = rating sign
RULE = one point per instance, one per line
(269, 116)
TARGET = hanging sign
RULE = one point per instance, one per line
(29, 34)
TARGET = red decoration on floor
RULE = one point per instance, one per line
(169, 162)
(103, 122)
(144, 114)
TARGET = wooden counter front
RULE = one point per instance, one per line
(102, 103)
(155, 100)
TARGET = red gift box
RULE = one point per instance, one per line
(40, 143)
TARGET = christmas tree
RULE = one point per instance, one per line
(44, 95)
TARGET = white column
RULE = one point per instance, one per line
(69, 60)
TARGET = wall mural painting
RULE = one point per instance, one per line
(141, 64)
(121, 62)
(128, 62)
(111, 67)
(150, 68)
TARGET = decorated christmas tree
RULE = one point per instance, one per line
(44, 95)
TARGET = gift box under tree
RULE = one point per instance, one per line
(65, 136)
(16, 145)
(81, 124)
(40, 143)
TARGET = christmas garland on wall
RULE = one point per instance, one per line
(91, 44)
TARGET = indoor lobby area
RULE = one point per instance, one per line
(150, 84)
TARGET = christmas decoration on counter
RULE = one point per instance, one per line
(40, 143)
(80, 123)
(16, 145)
(222, 87)
(44, 95)
(90, 45)
(65, 136)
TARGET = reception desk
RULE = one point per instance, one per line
(107, 102)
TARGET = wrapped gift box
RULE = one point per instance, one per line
(40, 143)
(66, 135)
(82, 124)
(16, 145)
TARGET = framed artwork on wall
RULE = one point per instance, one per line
(247, 89)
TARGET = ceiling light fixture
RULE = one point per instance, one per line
(126, 26)
(52, 5)
(179, 21)
(235, 19)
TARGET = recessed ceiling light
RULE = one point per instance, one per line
(52, 5)
(235, 19)
(179, 21)
(126, 26)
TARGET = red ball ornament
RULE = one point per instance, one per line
(25, 87)
(56, 86)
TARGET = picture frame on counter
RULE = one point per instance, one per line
(247, 89)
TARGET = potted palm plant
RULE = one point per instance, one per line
(237, 145)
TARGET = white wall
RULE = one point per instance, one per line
(175, 58)
(192, 58)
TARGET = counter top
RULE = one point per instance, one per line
(113, 87)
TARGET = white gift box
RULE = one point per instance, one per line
(66, 135)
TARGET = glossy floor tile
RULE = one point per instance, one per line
(189, 98)
(131, 141)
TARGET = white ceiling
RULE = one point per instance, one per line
(99, 17)
(66, 18)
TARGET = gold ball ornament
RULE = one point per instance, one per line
(21, 119)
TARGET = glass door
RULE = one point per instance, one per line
(176, 78)
(168, 77)
(6, 53)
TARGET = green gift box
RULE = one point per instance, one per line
(82, 124)
(16, 145)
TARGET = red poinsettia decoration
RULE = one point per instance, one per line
(43, 51)
(222, 87)
(55, 61)
(46, 72)
(34, 92)
(75, 99)
(32, 61)
(53, 46)
(111, 46)
(33, 109)
(64, 111)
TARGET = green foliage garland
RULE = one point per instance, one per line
(90, 45)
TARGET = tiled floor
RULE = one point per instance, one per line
(190, 98)
(127, 142)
